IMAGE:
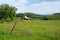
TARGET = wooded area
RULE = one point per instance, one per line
(54, 16)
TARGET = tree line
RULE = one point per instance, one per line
(54, 16)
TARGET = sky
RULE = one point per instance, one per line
(43, 7)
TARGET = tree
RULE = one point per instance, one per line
(7, 11)
(55, 16)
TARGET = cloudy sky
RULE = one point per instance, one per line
(36, 6)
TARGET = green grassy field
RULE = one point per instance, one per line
(31, 30)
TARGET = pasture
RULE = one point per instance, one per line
(31, 30)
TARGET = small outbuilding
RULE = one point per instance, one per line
(25, 17)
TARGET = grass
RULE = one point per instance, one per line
(31, 30)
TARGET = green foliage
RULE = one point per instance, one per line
(30, 15)
(7, 11)
(55, 16)
(19, 15)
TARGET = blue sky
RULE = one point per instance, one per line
(36, 6)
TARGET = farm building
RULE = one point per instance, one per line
(25, 17)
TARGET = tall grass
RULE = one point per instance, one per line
(31, 30)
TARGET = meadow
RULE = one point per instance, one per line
(31, 30)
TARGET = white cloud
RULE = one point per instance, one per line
(21, 5)
(39, 8)
(44, 7)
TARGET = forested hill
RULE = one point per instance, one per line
(54, 16)
(27, 14)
